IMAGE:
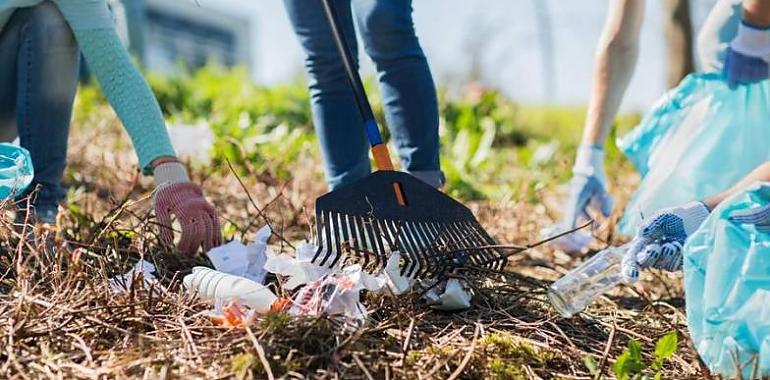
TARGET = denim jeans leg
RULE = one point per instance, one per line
(9, 43)
(47, 69)
(337, 122)
(408, 91)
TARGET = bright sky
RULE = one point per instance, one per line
(509, 52)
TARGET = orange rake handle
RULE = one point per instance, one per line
(381, 156)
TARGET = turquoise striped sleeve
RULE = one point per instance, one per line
(128, 93)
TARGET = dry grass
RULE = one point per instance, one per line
(60, 320)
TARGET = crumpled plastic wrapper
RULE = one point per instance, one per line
(337, 294)
(299, 270)
(243, 260)
(450, 295)
(122, 283)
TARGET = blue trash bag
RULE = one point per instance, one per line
(16, 170)
(700, 139)
(727, 288)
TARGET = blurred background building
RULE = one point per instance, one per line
(163, 33)
(534, 50)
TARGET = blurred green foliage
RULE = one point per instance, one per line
(491, 146)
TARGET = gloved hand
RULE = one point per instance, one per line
(176, 197)
(587, 192)
(748, 56)
(661, 238)
(758, 216)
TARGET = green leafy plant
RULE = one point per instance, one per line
(630, 364)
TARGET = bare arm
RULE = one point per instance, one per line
(757, 12)
(614, 64)
(760, 174)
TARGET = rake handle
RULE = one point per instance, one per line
(379, 149)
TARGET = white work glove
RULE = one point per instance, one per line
(176, 198)
(758, 216)
(748, 56)
(587, 194)
(660, 239)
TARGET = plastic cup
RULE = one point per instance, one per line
(578, 288)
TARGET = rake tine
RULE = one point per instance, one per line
(348, 237)
(474, 240)
(410, 250)
(456, 245)
(328, 241)
(484, 255)
(377, 235)
(404, 247)
(338, 252)
(429, 257)
(457, 240)
(497, 260)
(431, 235)
(382, 225)
(418, 254)
(362, 239)
(396, 244)
(319, 223)
(374, 242)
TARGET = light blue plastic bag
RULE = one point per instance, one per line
(700, 139)
(16, 170)
(727, 288)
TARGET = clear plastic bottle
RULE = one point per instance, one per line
(578, 288)
(16, 170)
(221, 288)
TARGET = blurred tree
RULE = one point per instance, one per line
(679, 43)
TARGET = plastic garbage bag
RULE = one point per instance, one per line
(700, 139)
(16, 170)
(727, 285)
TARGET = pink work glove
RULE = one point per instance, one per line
(176, 197)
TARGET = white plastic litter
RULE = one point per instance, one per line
(221, 288)
(397, 283)
(299, 270)
(336, 295)
(122, 283)
(243, 260)
(449, 296)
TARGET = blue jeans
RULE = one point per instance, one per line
(39, 61)
(406, 84)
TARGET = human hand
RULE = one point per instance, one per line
(661, 238)
(175, 197)
(758, 216)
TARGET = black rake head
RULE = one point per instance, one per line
(364, 222)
